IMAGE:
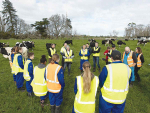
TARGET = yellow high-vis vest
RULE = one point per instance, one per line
(129, 59)
(85, 52)
(85, 103)
(52, 52)
(16, 68)
(26, 73)
(96, 54)
(116, 86)
(39, 83)
(139, 63)
(109, 58)
(66, 55)
(63, 49)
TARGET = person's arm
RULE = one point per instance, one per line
(142, 59)
(12, 57)
(103, 76)
(30, 69)
(80, 53)
(88, 54)
(72, 55)
(61, 51)
(75, 86)
(105, 53)
(60, 76)
(134, 59)
(20, 61)
(49, 52)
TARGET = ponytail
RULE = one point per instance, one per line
(55, 57)
(87, 77)
(17, 49)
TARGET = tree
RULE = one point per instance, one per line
(2, 24)
(115, 33)
(9, 15)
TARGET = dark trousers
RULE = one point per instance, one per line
(136, 72)
(62, 61)
(19, 80)
(96, 61)
(67, 64)
(28, 85)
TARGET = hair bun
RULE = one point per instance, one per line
(43, 56)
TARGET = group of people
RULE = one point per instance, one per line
(48, 81)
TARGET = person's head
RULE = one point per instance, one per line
(18, 50)
(65, 44)
(87, 45)
(115, 55)
(43, 60)
(53, 45)
(13, 49)
(31, 56)
(84, 46)
(55, 58)
(87, 77)
(96, 44)
(68, 48)
(138, 50)
(108, 48)
(127, 50)
(113, 47)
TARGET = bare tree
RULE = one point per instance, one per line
(115, 33)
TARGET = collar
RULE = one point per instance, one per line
(29, 59)
(117, 62)
(56, 62)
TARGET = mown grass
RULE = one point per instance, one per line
(138, 99)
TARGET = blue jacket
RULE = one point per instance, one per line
(103, 75)
(12, 57)
(30, 68)
(20, 61)
(88, 53)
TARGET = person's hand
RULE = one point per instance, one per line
(83, 54)
(68, 57)
(105, 53)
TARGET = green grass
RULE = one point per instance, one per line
(138, 99)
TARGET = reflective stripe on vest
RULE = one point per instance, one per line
(85, 52)
(66, 55)
(53, 85)
(116, 95)
(39, 83)
(129, 59)
(109, 58)
(26, 73)
(96, 54)
(86, 100)
(139, 63)
(15, 67)
(52, 52)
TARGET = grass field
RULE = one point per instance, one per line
(12, 101)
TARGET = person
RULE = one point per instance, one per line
(96, 54)
(55, 83)
(89, 49)
(85, 90)
(11, 58)
(62, 52)
(39, 83)
(109, 53)
(18, 68)
(129, 58)
(28, 73)
(68, 56)
(84, 53)
(51, 51)
(105, 53)
(140, 61)
(114, 82)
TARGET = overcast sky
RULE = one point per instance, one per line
(90, 17)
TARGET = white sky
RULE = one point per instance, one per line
(90, 17)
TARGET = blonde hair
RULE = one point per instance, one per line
(55, 57)
(87, 77)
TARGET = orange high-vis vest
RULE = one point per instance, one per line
(53, 84)
(129, 59)
(139, 63)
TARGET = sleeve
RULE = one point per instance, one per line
(20, 61)
(134, 57)
(12, 57)
(142, 58)
(30, 69)
(75, 86)
(72, 55)
(80, 53)
(49, 52)
(88, 53)
(61, 78)
(102, 77)
(105, 52)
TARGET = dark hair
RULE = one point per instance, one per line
(13, 49)
(30, 54)
(55, 57)
(108, 47)
(117, 57)
(139, 50)
(43, 59)
(17, 49)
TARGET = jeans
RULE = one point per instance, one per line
(96, 60)
(67, 65)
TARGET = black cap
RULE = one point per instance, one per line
(113, 45)
(116, 55)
